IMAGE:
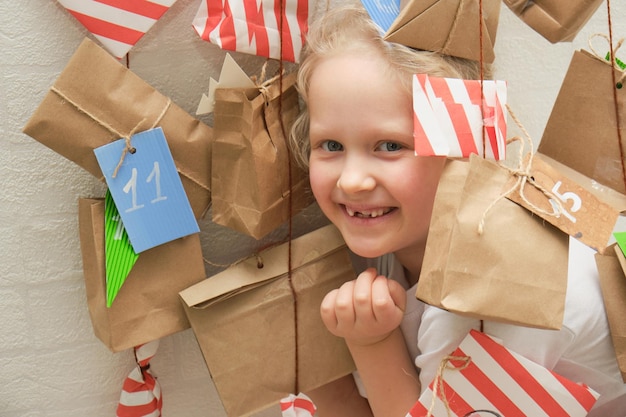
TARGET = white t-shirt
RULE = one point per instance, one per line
(581, 350)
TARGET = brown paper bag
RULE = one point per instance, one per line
(447, 26)
(96, 100)
(250, 170)
(147, 307)
(245, 321)
(611, 268)
(514, 272)
(555, 20)
(581, 132)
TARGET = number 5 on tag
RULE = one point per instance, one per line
(147, 190)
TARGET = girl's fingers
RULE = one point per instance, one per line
(384, 305)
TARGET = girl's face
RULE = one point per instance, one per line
(363, 170)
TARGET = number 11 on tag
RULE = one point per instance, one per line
(147, 190)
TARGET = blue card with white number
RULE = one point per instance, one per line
(147, 190)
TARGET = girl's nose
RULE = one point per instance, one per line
(355, 177)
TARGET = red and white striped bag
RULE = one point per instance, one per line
(117, 24)
(483, 378)
(449, 119)
(141, 393)
(254, 26)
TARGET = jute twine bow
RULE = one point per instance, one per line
(524, 176)
(438, 383)
(612, 55)
(127, 137)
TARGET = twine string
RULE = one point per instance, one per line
(524, 176)
(482, 74)
(128, 148)
(438, 383)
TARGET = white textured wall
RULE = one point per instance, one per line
(51, 364)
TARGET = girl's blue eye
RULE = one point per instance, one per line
(332, 146)
(389, 146)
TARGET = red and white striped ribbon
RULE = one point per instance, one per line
(117, 24)
(253, 26)
(141, 393)
(297, 406)
(449, 119)
(497, 382)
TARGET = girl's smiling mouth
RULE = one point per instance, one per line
(368, 213)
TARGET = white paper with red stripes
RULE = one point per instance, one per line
(499, 382)
(253, 26)
(297, 406)
(449, 119)
(141, 393)
(117, 24)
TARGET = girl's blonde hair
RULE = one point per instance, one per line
(350, 29)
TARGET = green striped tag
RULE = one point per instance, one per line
(119, 254)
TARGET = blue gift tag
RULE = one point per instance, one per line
(147, 190)
(382, 12)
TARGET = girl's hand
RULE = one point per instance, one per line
(366, 310)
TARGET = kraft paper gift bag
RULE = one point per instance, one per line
(263, 340)
(514, 272)
(251, 162)
(581, 131)
(97, 100)
(449, 27)
(611, 267)
(555, 20)
(147, 306)
(484, 378)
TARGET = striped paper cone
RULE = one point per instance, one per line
(141, 393)
(117, 24)
(253, 26)
(450, 121)
(483, 378)
(297, 406)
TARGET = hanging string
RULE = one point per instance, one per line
(289, 197)
(482, 73)
(614, 88)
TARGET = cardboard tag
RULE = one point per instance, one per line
(147, 190)
(589, 211)
(119, 254)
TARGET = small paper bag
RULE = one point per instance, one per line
(449, 27)
(251, 161)
(97, 100)
(555, 20)
(611, 269)
(273, 29)
(514, 272)
(263, 339)
(483, 378)
(581, 131)
(147, 306)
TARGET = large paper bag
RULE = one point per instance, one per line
(449, 27)
(261, 340)
(555, 20)
(611, 269)
(251, 161)
(581, 131)
(97, 100)
(514, 272)
(484, 378)
(147, 307)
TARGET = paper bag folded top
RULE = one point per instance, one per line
(555, 20)
(253, 326)
(96, 100)
(448, 27)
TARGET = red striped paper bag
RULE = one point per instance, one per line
(117, 24)
(255, 26)
(450, 121)
(483, 378)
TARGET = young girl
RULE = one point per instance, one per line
(356, 135)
